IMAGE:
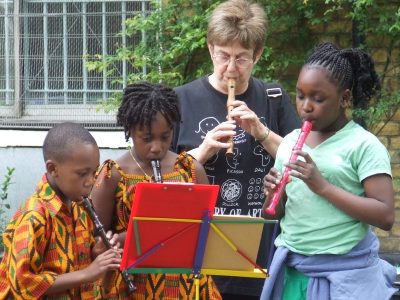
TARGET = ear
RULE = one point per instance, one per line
(258, 55)
(52, 168)
(131, 131)
(345, 99)
(210, 49)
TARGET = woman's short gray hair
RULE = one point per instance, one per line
(238, 20)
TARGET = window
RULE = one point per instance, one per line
(43, 78)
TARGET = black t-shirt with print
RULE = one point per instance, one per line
(241, 177)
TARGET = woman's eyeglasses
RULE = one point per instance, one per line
(225, 60)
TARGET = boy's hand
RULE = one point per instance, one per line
(109, 260)
(100, 247)
(113, 239)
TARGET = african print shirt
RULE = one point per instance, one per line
(150, 286)
(42, 240)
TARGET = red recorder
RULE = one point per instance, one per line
(305, 130)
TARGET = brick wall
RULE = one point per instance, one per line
(390, 137)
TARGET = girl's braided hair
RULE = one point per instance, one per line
(350, 68)
(141, 102)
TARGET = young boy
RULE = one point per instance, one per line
(49, 245)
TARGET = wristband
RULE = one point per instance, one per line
(265, 136)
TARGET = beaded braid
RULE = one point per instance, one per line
(350, 68)
(142, 101)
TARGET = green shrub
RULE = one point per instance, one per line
(174, 49)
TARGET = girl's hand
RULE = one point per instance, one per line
(271, 180)
(109, 260)
(308, 172)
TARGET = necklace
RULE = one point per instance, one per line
(147, 177)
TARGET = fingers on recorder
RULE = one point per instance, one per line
(107, 261)
(271, 180)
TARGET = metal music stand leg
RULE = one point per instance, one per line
(200, 250)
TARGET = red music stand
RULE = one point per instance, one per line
(169, 231)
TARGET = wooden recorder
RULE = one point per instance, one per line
(231, 97)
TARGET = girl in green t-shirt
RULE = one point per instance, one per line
(340, 184)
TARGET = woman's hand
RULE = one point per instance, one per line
(247, 119)
(215, 139)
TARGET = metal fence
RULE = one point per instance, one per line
(43, 78)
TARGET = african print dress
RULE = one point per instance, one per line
(150, 286)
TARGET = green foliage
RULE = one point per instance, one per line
(111, 103)
(380, 111)
(3, 205)
(173, 48)
(376, 21)
(396, 180)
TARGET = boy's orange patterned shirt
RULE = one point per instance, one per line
(41, 241)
